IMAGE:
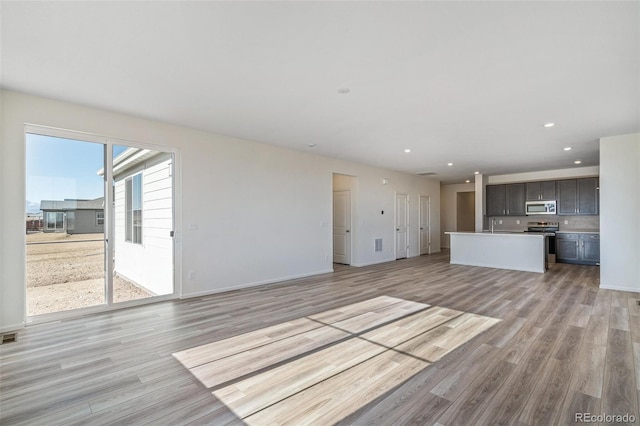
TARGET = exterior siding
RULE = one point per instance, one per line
(150, 264)
(84, 222)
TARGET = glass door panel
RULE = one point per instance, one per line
(143, 223)
(65, 249)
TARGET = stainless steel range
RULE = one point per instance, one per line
(544, 227)
(548, 229)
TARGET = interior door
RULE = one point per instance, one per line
(425, 225)
(402, 225)
(342, 227)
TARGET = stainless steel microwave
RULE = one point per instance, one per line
(540, 207)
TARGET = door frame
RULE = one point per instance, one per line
(420, 197)
(333, 193)
(109, 221)
(395, 223)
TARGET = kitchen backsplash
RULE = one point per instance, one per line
(510, 223)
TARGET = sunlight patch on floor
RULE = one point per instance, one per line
(328, 365)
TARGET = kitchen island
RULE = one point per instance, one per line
(517, 251)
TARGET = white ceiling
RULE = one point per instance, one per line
(465, 82)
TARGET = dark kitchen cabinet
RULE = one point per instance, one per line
(536, 191)
(506, 200)
(496, 200)
(591, 248)
(587, 196)
(567, 248)
(515, 199)
(578, 248)
(578, 196)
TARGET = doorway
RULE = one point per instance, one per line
(402, 225)
(342, 227)
(425, 225)
(466, 211)
(107, 212)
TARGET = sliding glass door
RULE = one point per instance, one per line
(100, 222)
(65, 252)
(143, 223)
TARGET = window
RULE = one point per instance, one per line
(55, 221)
(133, 209)
(99, 218)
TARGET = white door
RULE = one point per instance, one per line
(342, 227)
(402, 224)
(425, 225)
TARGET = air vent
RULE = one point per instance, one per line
(378, 244)
(9, 338)
(427, 174)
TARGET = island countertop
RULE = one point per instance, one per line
(518, 251)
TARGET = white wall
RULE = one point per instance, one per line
(575, 172)
(448, 207)
(262, 213)
(619, 212)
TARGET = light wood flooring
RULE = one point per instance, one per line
(416, 341)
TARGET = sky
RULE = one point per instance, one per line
(63, 168)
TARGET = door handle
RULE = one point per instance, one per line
(422, 229)
(397, 229)
(346, 231)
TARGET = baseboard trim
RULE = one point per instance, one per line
(253, 284)
(11, 328)
(612, 287)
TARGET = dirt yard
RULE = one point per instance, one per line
(67, 272)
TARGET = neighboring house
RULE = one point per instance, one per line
(143, 200)
(73, 216)
(34, 222)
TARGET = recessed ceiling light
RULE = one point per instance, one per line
(311, 145)
(449, 164)
(467, 181)
(476, 173)
(577, 162)
(407, 150)
(547, 125)
(567, 148)
(344, 90)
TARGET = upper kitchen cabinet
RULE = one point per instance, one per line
(506, 200)
(496, 200)
(537, 191)
(578, 196)
(515, 199)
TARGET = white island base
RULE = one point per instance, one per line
(516, 251)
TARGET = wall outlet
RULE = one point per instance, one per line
(192, 275)
(500, 222)
(517, 221)
(326, 257)
(193, 226)
(566, 222)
